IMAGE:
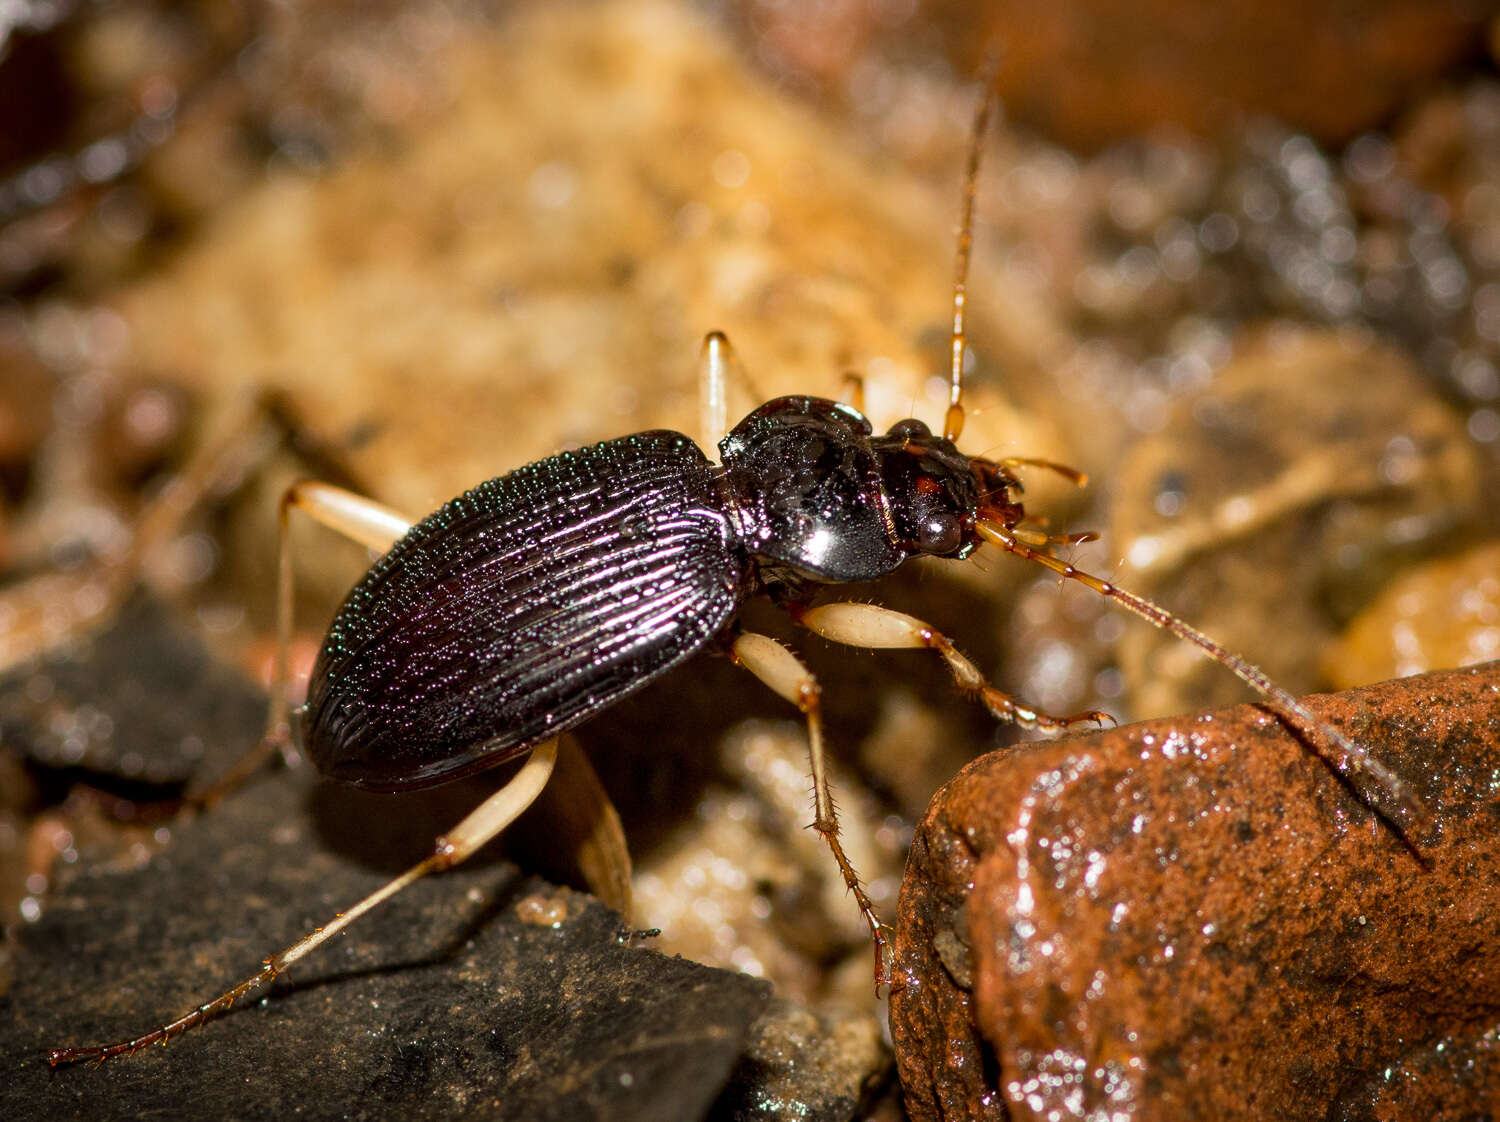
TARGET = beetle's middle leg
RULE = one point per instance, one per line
(785, 673)
(869, 625)
(854, 390)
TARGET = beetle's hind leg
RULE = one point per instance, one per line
(785, 673)
(363, 520)
(373, 525)
(869, 625)
(483, 823)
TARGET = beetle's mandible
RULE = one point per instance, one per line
(537, 599)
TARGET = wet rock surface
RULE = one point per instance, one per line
(480, 992)
(820, 1066)
(1193, 918)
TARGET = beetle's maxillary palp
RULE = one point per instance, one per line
(1040, 538)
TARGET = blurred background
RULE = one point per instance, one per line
(1238, 262)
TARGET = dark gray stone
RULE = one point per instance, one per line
(446, 1000)
(815, 1066)
(139, 702)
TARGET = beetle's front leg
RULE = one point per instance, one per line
(869, 625)
(785, 673)
(854, 390)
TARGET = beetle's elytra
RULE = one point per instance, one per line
(521, 608)
(539, 598)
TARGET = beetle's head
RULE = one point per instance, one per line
(938, 497)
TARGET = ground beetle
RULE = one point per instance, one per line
(537, 599)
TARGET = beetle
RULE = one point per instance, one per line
(540, 598)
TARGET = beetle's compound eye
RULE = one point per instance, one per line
(909, 429)
(940, 533)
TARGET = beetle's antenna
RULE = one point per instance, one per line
(953, 422)
(1380, 788)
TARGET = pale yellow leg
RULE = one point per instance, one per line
(784, 672)
(869, 625)
(363, 520)
(720, 371)
(485, 822)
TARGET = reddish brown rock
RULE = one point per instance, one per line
(1193, 918)
(1090, 71)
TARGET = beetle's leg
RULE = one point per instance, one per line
(364, 520)
(869, 625)
(718, 367)
(574, 818)
(784, 672)
(374, 526)
(854, 390)
(482, 824)
(713, 410)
